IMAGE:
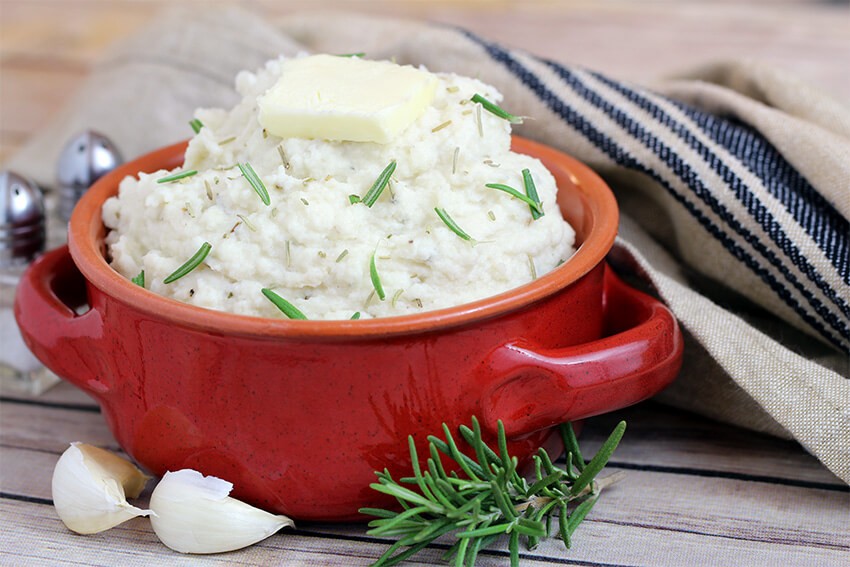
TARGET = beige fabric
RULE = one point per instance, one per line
(750, 359)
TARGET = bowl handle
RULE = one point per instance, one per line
(50, 326)
(539, 387)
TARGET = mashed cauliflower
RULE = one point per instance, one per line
(314, 247)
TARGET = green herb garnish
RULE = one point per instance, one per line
(444, 216)
(378, 187)
(286, 307)
(253, 179)
(441, 126)
(356, 316)
(376, 280)
(190, 264)
(487, 497)
(283, 159)
(535, 206)
(531, 191)
(353, 199)
(176, 176)
(496, 109)
(531, 267)
(361, 54)
(140, 279)
(196, 125)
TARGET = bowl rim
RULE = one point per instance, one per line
(83, 234)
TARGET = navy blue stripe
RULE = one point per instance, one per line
(828, 229)
(684, 171)
(821, 221)
(750, 148)
(620, 156)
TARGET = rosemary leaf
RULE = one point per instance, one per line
(177, 176)
(495, 109)
(356, 316)
(532, 203)
(190, 264)
(254, 180)
(283, 159)
(441, 126)
(396, 295)
(531, 191)
(379, 185)
(196, 125)
(140, 279)
(376, 279)
(286, 307)
(598, 462)
(568, 438)
(444, 216)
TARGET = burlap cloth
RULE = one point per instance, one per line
(734, 183)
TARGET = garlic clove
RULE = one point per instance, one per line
(194, 514)
(90, 488)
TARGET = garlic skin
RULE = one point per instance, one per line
(90, 488)
(194, 514)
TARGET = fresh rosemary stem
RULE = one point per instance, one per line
(177, 176)
(487, 497)
(139, 280)
(254, 181)
(285, 306)
(378, 186)
(496, 110)
(190, 264)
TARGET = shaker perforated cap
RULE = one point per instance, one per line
(22, 224)
(86, 158)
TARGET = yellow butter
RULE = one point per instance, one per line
(345, 98)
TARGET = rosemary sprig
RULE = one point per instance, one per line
(190, 264)
(487, 497)
(497, 110)
(176, 176)
(531, 191)
(286, 307)
(196, 125)
(254, 180)
(140, 279)
(453, 226)
(534, 205)
(378, 186)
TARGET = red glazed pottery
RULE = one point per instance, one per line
(299, 414)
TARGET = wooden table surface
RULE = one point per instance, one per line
(696, 492)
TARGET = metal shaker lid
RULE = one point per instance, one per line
(22, 219)
(86, 158)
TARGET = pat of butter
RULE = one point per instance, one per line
(345, 98)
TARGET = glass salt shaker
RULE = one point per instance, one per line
(22, 238)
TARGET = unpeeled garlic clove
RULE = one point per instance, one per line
(90, 489)
(194, 514)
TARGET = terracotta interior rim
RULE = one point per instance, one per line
(85, 225)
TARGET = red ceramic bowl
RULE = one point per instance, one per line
(299, 414)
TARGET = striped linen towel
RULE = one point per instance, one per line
(733, 181)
